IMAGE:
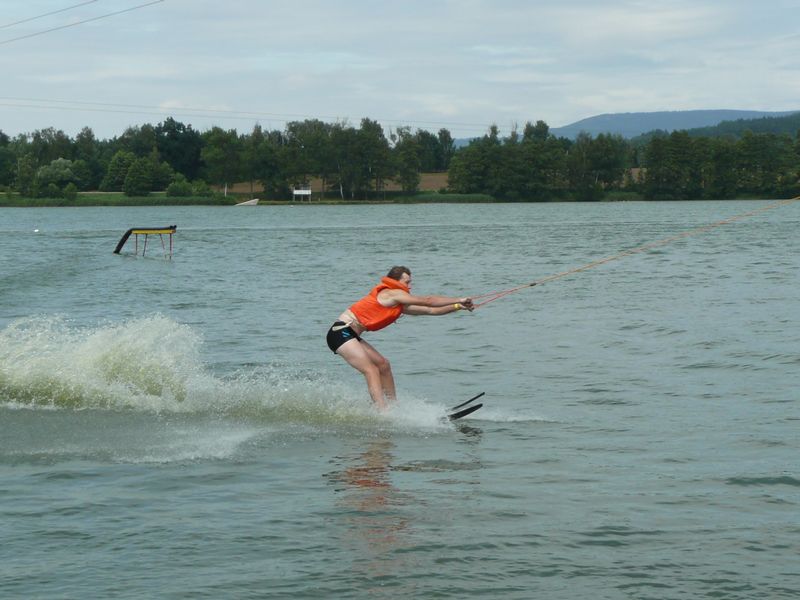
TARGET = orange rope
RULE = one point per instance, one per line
(492, 296)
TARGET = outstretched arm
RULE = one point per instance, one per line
(416, 309)
(424, 305)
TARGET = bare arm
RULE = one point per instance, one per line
(424, 305)
(415, 309)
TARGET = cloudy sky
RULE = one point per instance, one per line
(459, 64)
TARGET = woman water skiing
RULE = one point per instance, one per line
(387, 301)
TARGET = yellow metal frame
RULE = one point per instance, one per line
(145, 231)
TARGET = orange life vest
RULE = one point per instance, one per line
(371, 313)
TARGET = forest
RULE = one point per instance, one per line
(356, 163)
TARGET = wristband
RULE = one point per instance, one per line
(457, 306)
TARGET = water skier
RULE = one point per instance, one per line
(387, 301)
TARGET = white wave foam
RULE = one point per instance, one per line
(496, 415)
(186, 445)
(152, 365)
(148, 363)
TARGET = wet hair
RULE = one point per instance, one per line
(397, 272)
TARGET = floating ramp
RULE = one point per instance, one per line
(169, 231)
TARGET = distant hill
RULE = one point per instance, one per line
(789, 124)
(630, 125)
(711, 123)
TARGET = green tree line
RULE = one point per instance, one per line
(352, 162)
(534, 165)
(355, 163)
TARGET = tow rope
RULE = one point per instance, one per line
(492, 296)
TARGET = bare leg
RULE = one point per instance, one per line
(375, 368)
(384, 368)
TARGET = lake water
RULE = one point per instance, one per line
(178, 428)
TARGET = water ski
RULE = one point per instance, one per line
(457, 406)
(459, 411)
(464, 412)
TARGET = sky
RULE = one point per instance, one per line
(429, 64)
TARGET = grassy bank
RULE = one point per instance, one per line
(114, 199)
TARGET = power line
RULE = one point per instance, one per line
(206, 113)
(153, 111)
(250, 113)
(55, 12)
(218, 111)
(119, 12)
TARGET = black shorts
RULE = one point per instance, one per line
(339, 333)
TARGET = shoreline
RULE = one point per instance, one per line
(108, 200)
(161, 199)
